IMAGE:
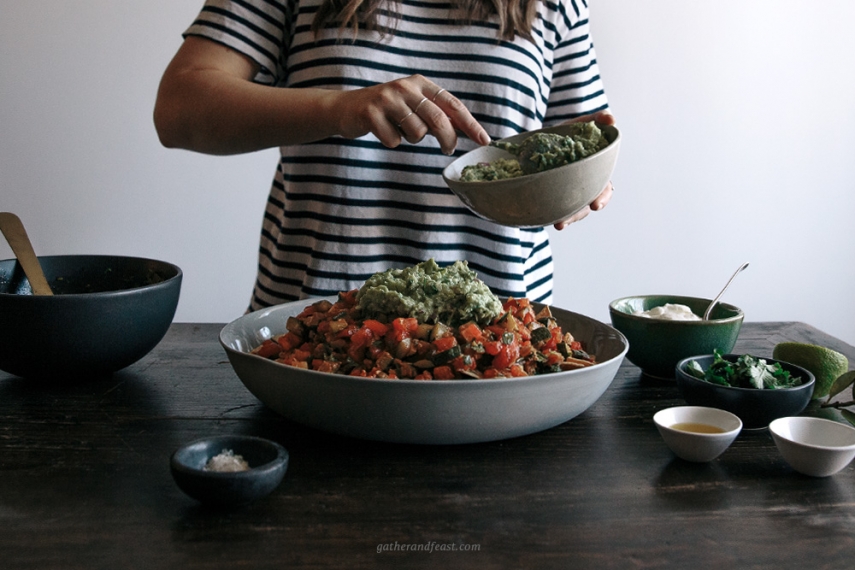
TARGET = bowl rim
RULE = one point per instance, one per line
(566, 374)
(740, 314)
(682, 375)
(534, 175)
(775, 424)
(274, 464)
(704, 409)
(179, 274)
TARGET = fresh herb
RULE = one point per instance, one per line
(746, 372)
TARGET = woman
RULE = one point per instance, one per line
(366, 100)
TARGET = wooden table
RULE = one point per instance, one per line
(85, 483)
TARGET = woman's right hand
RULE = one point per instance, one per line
(409, 108)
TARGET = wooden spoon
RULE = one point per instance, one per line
(16, 235)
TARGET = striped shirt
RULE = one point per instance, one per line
(341, 210)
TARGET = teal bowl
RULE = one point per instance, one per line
(657, 345)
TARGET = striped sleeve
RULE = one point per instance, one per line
(257, 29)
(576, 88)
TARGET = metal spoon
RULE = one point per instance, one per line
(714, 301)
(16, 235)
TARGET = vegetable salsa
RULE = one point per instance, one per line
(334, 337)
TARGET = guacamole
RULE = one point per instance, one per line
(451, 295)
(496, 170)
(539, 152)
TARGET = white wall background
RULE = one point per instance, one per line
(739, 145)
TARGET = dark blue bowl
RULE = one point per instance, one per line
(755, 407)
(106, 313)
(267, 460)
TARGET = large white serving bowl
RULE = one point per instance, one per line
(417, 411)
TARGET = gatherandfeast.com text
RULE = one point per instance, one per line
(431, 546)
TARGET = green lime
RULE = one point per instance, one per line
(825, 364)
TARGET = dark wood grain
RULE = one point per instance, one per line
(85, 483)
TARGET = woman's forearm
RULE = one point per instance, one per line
(207, 103)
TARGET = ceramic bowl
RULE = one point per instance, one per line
(814, 446)
(106, 313)
(656, 345)
(755, 407)
(534, 200)
(416, 411)
(674, 425)
(267, 460)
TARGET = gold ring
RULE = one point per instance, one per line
(416, 110)
(401, 122)
(437, 93)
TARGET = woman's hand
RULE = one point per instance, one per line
(605, 119)
(409, 108)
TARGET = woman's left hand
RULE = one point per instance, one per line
(606, 119)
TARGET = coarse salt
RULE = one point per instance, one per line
(227, 462)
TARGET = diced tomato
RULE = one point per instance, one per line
(376, 327)
(289, 340)
(470, 331)
(349, 297)
(291, 361)
(325, 335)
(361, 338)
(517, 371)
(492, 347)
(463, 362)
(268, 349)
(302, 355)
(402, 328)
(348, 331)
(497, 330)
(444, 343)
(508, 354)
(443, 373)
(307, 312)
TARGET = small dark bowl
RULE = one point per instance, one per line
(755, 407)
(106, 313)
(657, 345)
(267, 460)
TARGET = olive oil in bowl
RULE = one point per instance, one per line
(696, 427)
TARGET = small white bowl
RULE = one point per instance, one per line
(693, 445)
(814, 446)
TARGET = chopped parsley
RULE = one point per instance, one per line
(746, 372)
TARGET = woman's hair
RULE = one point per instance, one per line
(515, 16)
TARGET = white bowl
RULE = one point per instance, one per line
(691, 445)
(814, 446)
(417, 411)
(535, 200)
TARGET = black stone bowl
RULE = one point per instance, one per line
(267, 461)
(755, 407)
(106, 313)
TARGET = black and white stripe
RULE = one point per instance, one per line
(341, 210)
